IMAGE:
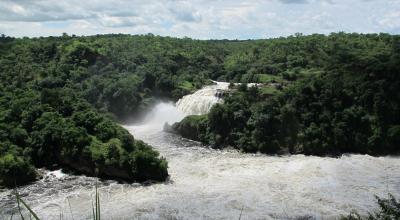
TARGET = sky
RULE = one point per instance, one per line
(199, 19)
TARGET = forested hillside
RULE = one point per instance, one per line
(346, 99)
(62, 96)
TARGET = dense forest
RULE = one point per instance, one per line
(61, 98)
(342, 97)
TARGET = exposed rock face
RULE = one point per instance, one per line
(220, 93)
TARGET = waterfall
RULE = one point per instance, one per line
(200, 102)
(197, 103)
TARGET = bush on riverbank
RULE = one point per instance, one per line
(15, 170)
(389, 209)
(55, 127)
(192, 127)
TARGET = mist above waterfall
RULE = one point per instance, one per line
(197, 103)
(164, 112)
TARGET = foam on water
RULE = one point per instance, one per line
(220, 184)
(56, 174)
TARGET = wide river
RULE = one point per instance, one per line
(219, 184)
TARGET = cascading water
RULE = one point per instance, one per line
(201, 101)
(218, 184)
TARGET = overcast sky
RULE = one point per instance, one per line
(201, 19)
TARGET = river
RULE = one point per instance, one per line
(218, 184)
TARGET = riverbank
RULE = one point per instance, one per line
(217, 184)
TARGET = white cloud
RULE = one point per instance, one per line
(202, 19)
(391, 20)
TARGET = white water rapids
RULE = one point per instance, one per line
(201, 101)
(219, 184)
